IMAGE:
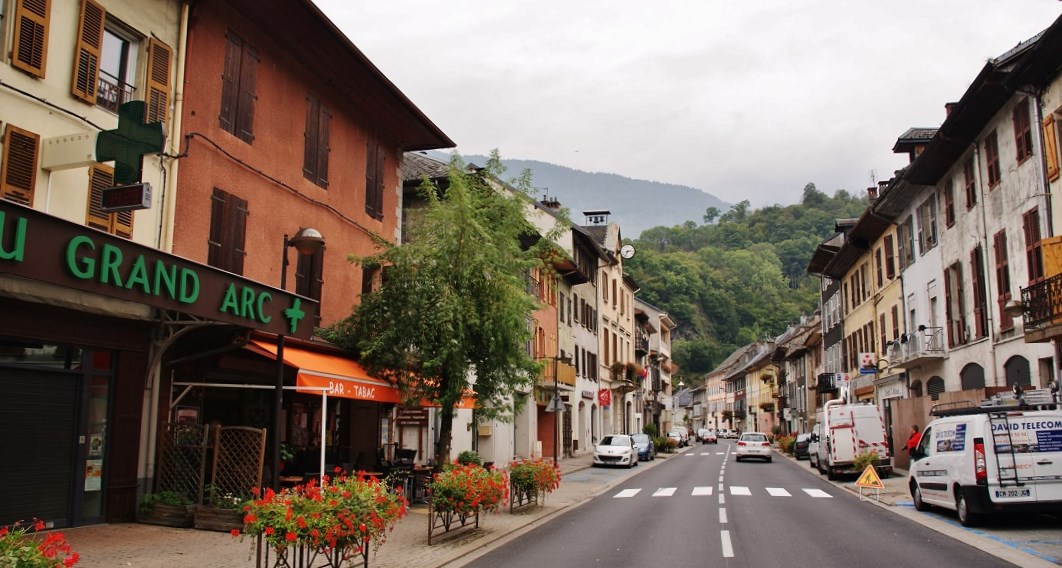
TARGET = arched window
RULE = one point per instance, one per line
(935, 386)
(916, 389)
(973, 377)
(1017, 371)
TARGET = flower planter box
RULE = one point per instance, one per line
(169, 515)
(215, 519)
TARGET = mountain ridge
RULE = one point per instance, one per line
(634, 204)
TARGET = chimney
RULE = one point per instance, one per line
(550, 203)
(597, 216)
(948, 107)
(872, 195)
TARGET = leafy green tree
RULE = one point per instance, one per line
(452, 314)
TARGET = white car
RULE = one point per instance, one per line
(754, 445)
(681, 435)
(616, 449)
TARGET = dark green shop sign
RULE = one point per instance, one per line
(41, 247)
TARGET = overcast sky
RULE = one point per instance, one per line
(743, 99)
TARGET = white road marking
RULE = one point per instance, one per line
(706, 453)
(720, 487)
(728, 549)
(722, 516)
(778, 492)
(626, 493)
(819, 493)
(739, 490)
(702, 490)
(690, 455)
(665, 492)
(722, 498)
(720, 453)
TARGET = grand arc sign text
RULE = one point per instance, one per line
(41, 247)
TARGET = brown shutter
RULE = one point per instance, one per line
(999, 243)
(18, 170)
(215, 255)
(237, 224)
(371, 150)
(323, 129)
(1051, 147)
(309, 139)
(30, 46)
(890, 258)
(100, 177)
(977, 282)
(949, 308)
(1033, 258)
(158, 81)
(230, 77)
(88, 50)
(245, 105)
(381, 162)
(228, 225)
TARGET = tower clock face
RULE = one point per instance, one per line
(627, 251)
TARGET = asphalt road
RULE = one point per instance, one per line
(705, 509)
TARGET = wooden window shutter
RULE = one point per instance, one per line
(88, 51)
(30, 47)
(160, 57)
(1033, 257)
(215, 254)
(977, 283)
(890, 258)
(237, 224)
(308, 277)
(230, 77)
(309, 139)
(100, 177)
(371, 150)
(18, 170)
(228, 224)
(323, 129)
(1051, 147)
(949, 308)
(247, 96)
(378, 192)
(999, 243)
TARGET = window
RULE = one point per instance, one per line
(949, 204)
(968, 183)
(895, 322)
(1051, 147)
(370, 274)
(309, 277)
(604, 287)
(315, 142)
(906, 238)
(980, 295)
(878, 265)
(992, 159)
(890, 258)
(953, 306)
(238, 88)
(1034, 261)
(927, 225)
(1022, 131)
(228, 224)
(118, 223)
(374, 182)
(999, 243)
(30, 46)
(882, 328)
(18, 170)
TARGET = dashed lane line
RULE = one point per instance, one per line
(728, 549)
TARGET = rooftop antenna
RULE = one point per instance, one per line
(873, 178)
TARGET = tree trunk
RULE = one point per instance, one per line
(446, 429)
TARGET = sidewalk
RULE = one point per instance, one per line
(149, 546)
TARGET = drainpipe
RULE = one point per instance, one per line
(984, 235)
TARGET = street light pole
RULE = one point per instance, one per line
(307, 241)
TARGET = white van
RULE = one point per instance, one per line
(845, 431)
(998, 457)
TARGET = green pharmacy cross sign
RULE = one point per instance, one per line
(128, 143)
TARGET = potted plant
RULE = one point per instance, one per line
(167, 508)
(468, 489)
(338, 519)
(18, 548)
(469, 457)
(530, 479)
(223, 511)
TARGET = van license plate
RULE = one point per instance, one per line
(1012, 493)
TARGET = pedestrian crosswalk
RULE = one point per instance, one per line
(708, 490)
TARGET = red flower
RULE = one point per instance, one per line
(235, 532)
(291, 536)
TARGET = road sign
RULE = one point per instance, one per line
(555, 405)
(869, 479)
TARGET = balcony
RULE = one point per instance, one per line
(641, 343)
(917, 347)
(112, 93)
(1042, 310)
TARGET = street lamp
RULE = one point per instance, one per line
(567, 360)
(307, 241)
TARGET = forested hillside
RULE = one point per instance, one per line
(737, 277)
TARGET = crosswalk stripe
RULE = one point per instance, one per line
(778, 492)
(665, 492)
(720, 453)
(739, 490)
(706, 453)
(626, 493)
(819, 493)
(702, 490)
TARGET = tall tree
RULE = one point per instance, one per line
(451, 317)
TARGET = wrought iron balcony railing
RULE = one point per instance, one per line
(1042, 304)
